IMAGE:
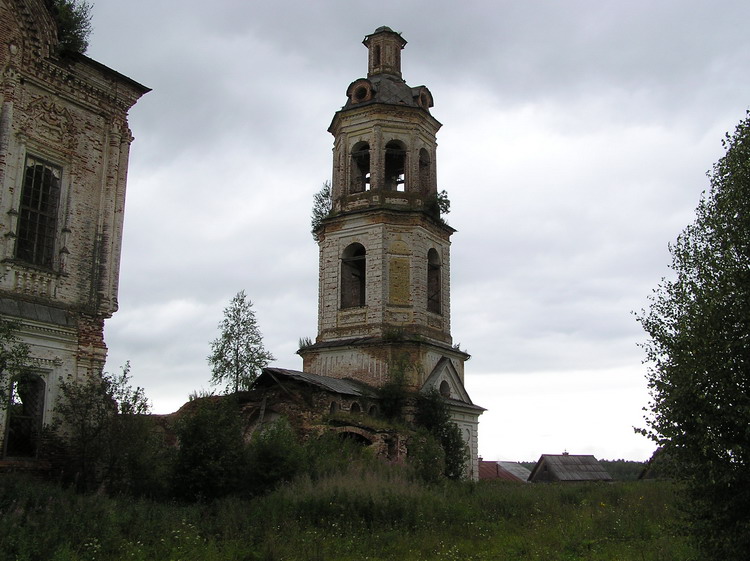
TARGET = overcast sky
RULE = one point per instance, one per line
(575, 141)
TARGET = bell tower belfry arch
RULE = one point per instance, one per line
(384, 250)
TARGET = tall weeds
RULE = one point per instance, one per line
(362, 512)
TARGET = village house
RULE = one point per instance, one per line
(568, 468)
(64, 146)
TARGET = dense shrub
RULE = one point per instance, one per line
(212, 458)
(274, 456)
(432, 414)
(103, 438)
(426, 457)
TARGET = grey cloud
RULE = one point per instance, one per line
(574, 146)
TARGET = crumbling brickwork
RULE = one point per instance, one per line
(64, 148)
(384, 272)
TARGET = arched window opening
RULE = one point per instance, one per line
(376, 56)
(37, 213)
(355, 408)
(433, 281)
(395, 165)
(25, 413)
(373, 411)
(360, 172)
(353, 263)
(424, 171)
(334, 408)
(445, 389)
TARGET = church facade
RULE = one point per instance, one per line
(384, 250)
(64, 148)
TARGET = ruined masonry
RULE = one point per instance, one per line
(384, 293)
(64, 145)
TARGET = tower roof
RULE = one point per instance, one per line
(384, 83)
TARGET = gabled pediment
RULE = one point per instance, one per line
(445, 379)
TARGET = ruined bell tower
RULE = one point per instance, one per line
(384, 270)
(384, 294)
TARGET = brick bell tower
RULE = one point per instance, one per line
(384, 270)
(384, 294)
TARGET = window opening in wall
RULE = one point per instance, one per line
(360, 93)
(334, 408)
(424, 171)
(395, 164)
(445, 389)
(376, 56)
(353, 262)
(37, 213)
(360, 180)
(24, 416)
(433, 281)
(355, 408)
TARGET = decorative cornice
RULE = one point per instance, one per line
(68, 84)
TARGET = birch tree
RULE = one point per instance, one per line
(237, 354)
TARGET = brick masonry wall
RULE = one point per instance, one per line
(396, 277)
(72, 114)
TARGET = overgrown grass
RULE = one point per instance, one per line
(364, 513)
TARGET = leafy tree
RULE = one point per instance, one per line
(426, 456)
(393, 396)
(432, 413)
(106, 436)
(322, 206)
(238, 355)
(212, 456)
(623, 470)
(73, 18)
(439, 204)
(699, 355)
(443, 202)
(14, 355)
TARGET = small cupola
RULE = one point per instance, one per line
(385, 52)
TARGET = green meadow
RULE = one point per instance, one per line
(361, 514)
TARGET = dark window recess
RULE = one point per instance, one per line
(360, 93)
(37, 213)
(353, 263)
(445, 389)
(433, 281)
(360, 180)
(25, 413)
(395, 164)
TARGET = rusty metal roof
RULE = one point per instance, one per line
(337, 385)
(569, 467)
